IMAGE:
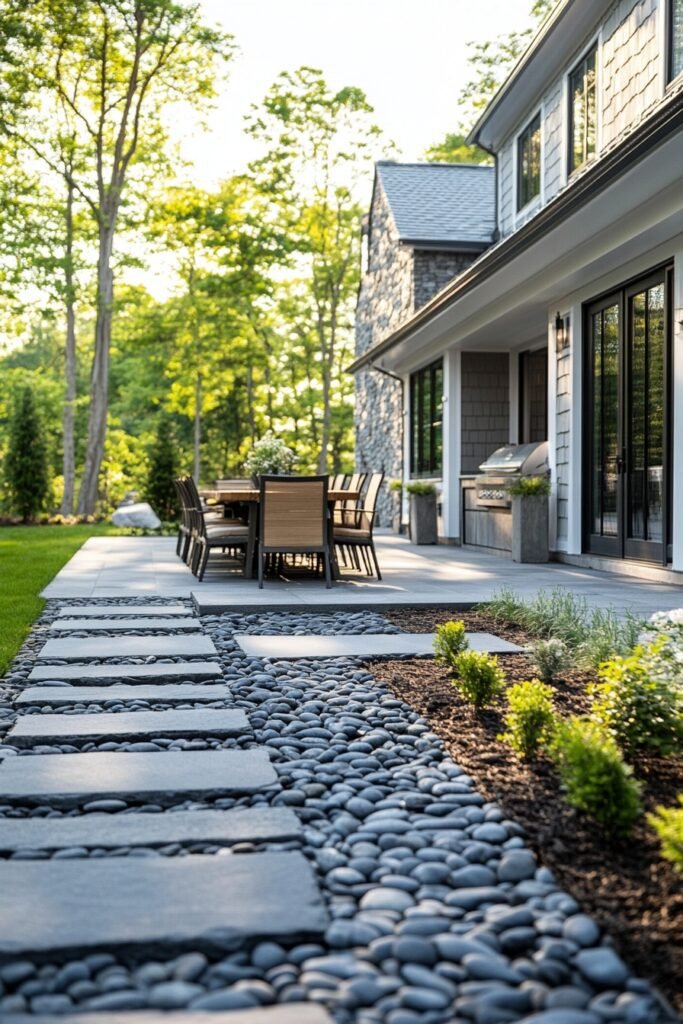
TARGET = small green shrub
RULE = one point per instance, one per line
(668, 824)
(479, 678)
(420, 487)
(639, 705)
(596, 778)
(396, 486)
(450, 640)
(530, 486)
(550, 658)
(530, 719)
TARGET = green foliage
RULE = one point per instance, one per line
(550, 658)
(26, 468)
(529, 487)
(396, 486)
(269, 455)
(668, 824)
(596, 778)
(591, 634)
(479, 678)
(161, 472)
(638, 704)
(420, 487)
(450, 640)
(453, 149)
(530, 719)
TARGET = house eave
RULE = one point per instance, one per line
(660, 126)
(432, 245)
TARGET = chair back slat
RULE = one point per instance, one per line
(293, 512)
(369, 503)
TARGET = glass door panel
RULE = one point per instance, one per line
(646, 392)
(626, 448)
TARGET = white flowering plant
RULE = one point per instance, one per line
(269, 455)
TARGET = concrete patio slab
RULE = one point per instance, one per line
(285, 1013)
(30, 729)
(131, 905)
(436, 576)
(120, 625)
(172, 693)
(109, 831)
(365, 645)
(143, 673)
(67, 779)
(75, 648)
(105, 611)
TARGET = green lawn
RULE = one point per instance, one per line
(29, 557)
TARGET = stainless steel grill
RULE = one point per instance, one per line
(508, 462)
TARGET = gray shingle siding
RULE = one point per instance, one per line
(485, 406)
(562, 440)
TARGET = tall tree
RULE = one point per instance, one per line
(26, 466)
(114, 64)
(453, 149)
(316, 146)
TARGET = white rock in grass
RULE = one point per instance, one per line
(141, 515)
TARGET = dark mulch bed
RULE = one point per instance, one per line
(636, 896)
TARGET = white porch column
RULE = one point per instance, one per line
(677, 396)
(405, 412)
(552, 434)
(575, 496)
(450, 497)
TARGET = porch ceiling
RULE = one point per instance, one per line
(509, 309)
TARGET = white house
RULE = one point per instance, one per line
(570, 326)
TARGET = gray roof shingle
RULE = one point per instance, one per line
(441, 204)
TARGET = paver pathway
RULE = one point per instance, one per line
(63, 728)
(97, 673)
(129, 624)
(330, 855)
(168, 693)
(368, 645)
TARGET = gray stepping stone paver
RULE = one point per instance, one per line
(114, 830)
(195, 722)
(172, 693)
(363, 645)
(105, 611)
(145, 673)
(68, 779)
(285, 1013)
(187, 624)
(76, 648)
(204, 902)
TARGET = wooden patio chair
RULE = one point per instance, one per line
(344, 513)
(228, 537)
(185, 526)
(354, 537)
(294, 520)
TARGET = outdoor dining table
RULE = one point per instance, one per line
(243, 494)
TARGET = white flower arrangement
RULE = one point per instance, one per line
(269, 455)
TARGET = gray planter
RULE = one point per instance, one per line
(423, 519)
(530, 528)
(396, 512)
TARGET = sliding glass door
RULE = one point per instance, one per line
(627, 422)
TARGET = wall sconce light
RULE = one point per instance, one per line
(561, 332)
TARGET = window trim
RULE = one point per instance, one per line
(519, 205)
(669, 45)
(432, 470)
(593, 47)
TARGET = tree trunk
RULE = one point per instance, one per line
(99, 379)
(197, 427)
(69, 457)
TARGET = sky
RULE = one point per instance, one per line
(409, 57)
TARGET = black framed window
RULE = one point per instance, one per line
(583, 111)
(426, 420)
(675, 38)
(529, 163)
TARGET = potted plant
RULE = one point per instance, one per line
(269, 455)
(396, 492)
(530, 518)
(422, 512)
